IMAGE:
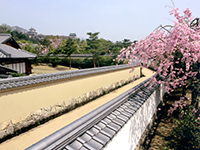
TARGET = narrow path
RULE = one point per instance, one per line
(27, 139)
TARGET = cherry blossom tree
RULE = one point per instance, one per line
(173, 51)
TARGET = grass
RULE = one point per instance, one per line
(43, 68)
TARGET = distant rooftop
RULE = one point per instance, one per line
(72, 34)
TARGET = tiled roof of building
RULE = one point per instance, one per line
(72, 34)
(4, 37)
(96, 129)
(10, 52)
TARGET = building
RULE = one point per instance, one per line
(32, 33)
(72, 36)
(5, 71)
(13, 57)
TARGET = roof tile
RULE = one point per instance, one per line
(108, 131)
(84, 138)
(93, 145)
(74, 145)
(101, 138)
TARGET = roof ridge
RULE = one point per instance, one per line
(5, 34)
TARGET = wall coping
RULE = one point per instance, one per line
(81, 126)
(41, 78)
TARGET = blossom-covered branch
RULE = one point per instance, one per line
(172, 52)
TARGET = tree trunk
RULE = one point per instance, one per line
(70, 61)
(140, 71)
(94, 61)
(196, 88)
(194, 101)
(183, 91)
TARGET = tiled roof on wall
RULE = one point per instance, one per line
(96, 129)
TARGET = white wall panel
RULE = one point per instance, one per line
(128, 137)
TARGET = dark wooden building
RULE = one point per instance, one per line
(13, 57)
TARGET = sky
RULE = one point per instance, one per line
(114, 19)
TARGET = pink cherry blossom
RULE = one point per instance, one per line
(160, 48)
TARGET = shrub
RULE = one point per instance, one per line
(75, 62)
(55, 61)
(44, 59)
(87, 63)
(186, 134)
(64, 62)
(17, 74)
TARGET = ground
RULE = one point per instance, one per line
(44, 68)
(162, 128)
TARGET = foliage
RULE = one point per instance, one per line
(87, 63)
(55, 61)
(57, 45)
(82, 46)
(186, 134)
(17, 74)
(44, 59)
(46, 42)
(32, 48)
(52, 44)
(162, 46)
(19, 36)
(126, 43)
(172, 52)
(94, 44)
(4, 28)
(76, 63)
(68, 47)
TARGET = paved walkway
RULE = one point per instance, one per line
(27, 139)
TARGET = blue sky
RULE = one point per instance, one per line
(114, 19)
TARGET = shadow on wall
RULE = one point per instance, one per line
(142, 118)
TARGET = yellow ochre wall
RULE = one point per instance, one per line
(17, 104)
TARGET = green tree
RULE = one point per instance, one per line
(93, 43)
(19, 36)
(4, 28)
(68, 47)
(46, 42)
(126, 43)
(33, 49)
(82, 46)
(106, 46)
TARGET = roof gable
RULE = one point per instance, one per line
(8, 40)
(4, 38)
(11, 52)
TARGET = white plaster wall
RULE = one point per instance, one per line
(128, 137)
